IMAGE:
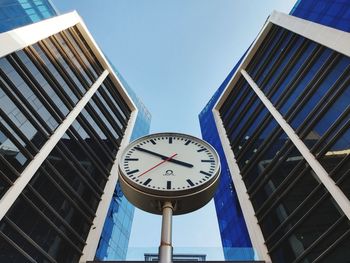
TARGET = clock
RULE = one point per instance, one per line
(171, 167)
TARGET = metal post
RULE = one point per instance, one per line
(165, 248)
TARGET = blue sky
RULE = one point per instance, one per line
(175, 54)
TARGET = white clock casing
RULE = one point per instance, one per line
(169, 167)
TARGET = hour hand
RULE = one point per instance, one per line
(164, 157)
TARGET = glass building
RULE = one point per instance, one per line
(333, 13)
(284, 122)
(63, 117)
(233, 231)
(115, 236)
(17, 13)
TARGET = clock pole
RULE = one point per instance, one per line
(165, 248)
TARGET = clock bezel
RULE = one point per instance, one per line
(135, 192)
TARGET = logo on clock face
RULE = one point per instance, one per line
(168, 173)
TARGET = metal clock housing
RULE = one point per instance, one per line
(169, 167)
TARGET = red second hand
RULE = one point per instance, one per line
(167, 159)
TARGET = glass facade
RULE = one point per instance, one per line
(234, 235)
(39, 86)
(309, 85)
(332, 13)
(244, 114)
(17, 13)
(115, 236)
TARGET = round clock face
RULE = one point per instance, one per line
(169, 164)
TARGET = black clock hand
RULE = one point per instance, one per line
(164, 157)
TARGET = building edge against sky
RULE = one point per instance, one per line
(19, 13)
(113, 244)
(330, 13)
(233, 231)
(116, 233)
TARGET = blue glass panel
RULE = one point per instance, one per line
(113, 244)
(293, 97)
(276, 54)
(16, 13)
(322, 89)
(233, 230)
(333, 13)
(286, 60)
(292, 73)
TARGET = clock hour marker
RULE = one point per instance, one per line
(153, 142)
(170, 140)
(132, 172)
(188, 142)
(202, 172)
(147, 181)
(190, 182)
(131, 159)
(201, 150)
(168, 184)
(207, 161)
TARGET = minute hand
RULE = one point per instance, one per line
(164, 157)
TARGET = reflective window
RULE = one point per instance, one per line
(106, 104)
(66, 168)
(64, 224)
(323, 86)
(300, 187)
(339, 252)
(104, 119)
(92, 145)
(61, 204)
(260, 59)
(11, 116)
(276, 52)
(28, 218)
(265, 156)
(86, 62)
(71, 78)
(282, 63)
(74, 59)
(311, 228)
(266, 130)
(336, 255)
(273, 174)
(115, 98)
(240, 116)
(41, 81)
(294, 72)
(87, 49)
(12, 154)
(15, 13)
(328, 120)
(255, 123)
(85, 160)
(22, 87)
(10, 233)
(299, 87)
(238, 94)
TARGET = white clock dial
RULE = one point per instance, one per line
(169, 166)
(169, 162)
